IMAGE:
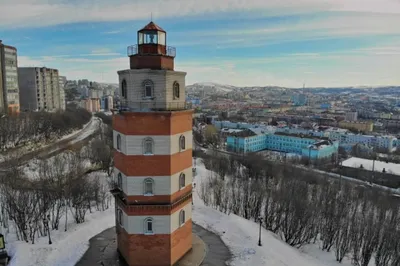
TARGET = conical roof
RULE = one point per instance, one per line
(152, 26)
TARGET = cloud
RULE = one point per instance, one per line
(309, 28)
(113, 32)
(31, 13)
(376, 65)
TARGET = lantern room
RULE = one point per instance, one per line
(151, 50)
(152, 34)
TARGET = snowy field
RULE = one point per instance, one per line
(241, 236)
(390, 168)
(67, 247)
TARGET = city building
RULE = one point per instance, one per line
(346, 139)
(95, 93)
(153, 155)
(40, 89)
(351, 116)
(303, 145)
(361, 126)
(326, 106)
(91, 105)
(62, 85)
(107, 102)
(299, 99)
(9, 89)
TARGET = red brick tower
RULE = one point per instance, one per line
(153, 155)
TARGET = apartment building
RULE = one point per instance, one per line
(9, 89)
(107, 102)
(62, 82)
(305, 146)
(40, 89)
(351, 116)
(91, 105)
(362, 126)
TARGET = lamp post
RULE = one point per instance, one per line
(2, 243)
(3, 252)
(260, 220)
(46, 227)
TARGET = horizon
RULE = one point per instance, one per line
(326, 43)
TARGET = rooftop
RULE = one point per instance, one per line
(305, 136)
(152, 26)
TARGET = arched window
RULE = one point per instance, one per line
(148, 226)
(148, 89)
(182, 178)
(148, 145)
(124, 90)
(120, 217)
(148, 186)
(119, 181)
(176, 90)
(118, 142)
(181, 217)
(182, 142)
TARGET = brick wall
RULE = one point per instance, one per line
(155, 250)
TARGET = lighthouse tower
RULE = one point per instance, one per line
(153, 155)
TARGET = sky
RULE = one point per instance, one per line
(238, 42)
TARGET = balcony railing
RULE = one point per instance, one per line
(151, 105)
(134, 50)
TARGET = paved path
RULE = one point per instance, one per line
(103, 249)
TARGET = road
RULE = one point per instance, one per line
(74, 141)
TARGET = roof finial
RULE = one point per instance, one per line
(151, 16)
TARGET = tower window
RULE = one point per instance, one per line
(124, 90)
(176, 90)
(148, 226)
(182, 178)
(118, 142)
(181, 217)
(182, 143)
(120, 217)
(119, 181)
(148, 89)
(148, 144)
(148, 186)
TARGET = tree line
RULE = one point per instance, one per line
(40, 126)
(61, 188)
(304, 207)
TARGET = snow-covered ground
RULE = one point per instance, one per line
(87, 129)
(61, 160)
(390, 168)
(241, 236)
(67, 247)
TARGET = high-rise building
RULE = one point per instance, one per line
(351, 116)
(299, 99)
(9, 89)
(153, 155)
(62, 81)
(40, 89)
(107, 102)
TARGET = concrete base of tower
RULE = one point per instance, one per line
(155, 250)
